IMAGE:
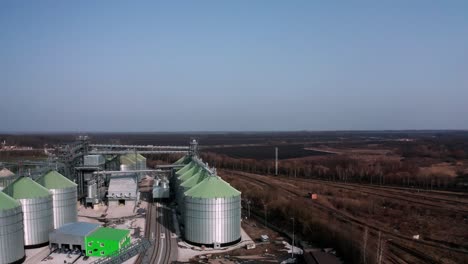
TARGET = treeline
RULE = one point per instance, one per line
(345, 169)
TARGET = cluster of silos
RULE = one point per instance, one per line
(209, 206)
(42, 206)
(132, 161)
(64, 197)
(11, 230)
(36, 204)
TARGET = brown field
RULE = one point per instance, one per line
(350, 209)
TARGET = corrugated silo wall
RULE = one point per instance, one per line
(64, 206)
(11, 235)
(38, 220)
(212, 220)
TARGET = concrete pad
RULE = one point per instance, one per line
(120, 211)
(187, 251)
(35, 255)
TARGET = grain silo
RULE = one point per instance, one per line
(127, 163)
(6, 177)
(181, 171)
(188, 174)
(140, 162)
(212, 213)
(187, 185)
(36, 202)
(64, 197)
(184, 160)
(189, 182)
(187, 167)
(11, 230)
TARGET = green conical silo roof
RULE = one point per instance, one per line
(55, 180)
(25, 188)
(184, 160)
(127, 159)
(6, 202)
(194, 170)
(212, 187)
(186, 168)
(195, 179)
(140, 157)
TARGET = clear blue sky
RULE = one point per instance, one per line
(233, 65)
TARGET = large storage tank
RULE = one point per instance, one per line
(186, 185)
(181, 171)
(212, 213)
(124, 167)
(188, 174)
(6, 177)
(128, 162)
(36, 202)
(64, 197)
(141, 162)
(11, 230)
(184, 160)
(187, 167)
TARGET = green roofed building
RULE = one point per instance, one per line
(106, 241)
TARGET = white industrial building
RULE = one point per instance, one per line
(123, 190)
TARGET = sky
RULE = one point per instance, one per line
(130, 66)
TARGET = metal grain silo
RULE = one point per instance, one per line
(6, 177)
(188, 174)
(128, 161)
(141, 162)
(64, 197)
(187, 185)
(187, 167)
(11, 230)
(36, 202)
(184, 160)
(212, 213)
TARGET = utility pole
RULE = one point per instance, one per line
(248, 206)
(276, 161)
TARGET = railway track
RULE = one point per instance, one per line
(459, 205)
(166, 220)
(158, 219)
(155, 230)
(267, 181)
(424, 200)
(421, 197)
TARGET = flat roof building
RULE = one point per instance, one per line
(106, 241)
(72, 235)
